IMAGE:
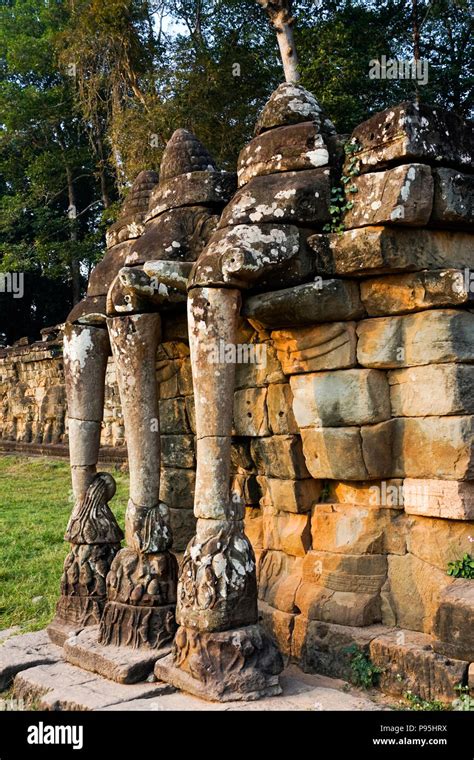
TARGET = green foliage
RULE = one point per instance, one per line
(462, 568)
(341, 194)
(418, 704)
(363, 672)
(464, 702)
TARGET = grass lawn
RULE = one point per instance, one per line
(35, 503)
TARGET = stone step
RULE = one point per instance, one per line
(20, 652)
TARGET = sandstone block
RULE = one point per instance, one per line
(246, 489)
(199, 187)
(379, 250)
(323, 647)
(177, 487)
(322, 347)
(403, 195)
(437, 541)
(279, 577)
(178, 451)
(414, 132)
(319, 301)
(183, 527)
(454, 622)
(351, 529)
(436, 389)
(279, 456)
(416, 291)
(173, 418)
(290, 148)
(250, 412)
(280, 409)
(340, 398)
(279, 625)
(287, 532)
(264, 368)
(426, 446)
(357, 453)
(291, 495)
(297, 197)
(356, 573)
(431, 337)
(448, 499)
(341, 607)
(253, 527)
(453, 198)
(415, 589)
(408, 663)
(383, 494)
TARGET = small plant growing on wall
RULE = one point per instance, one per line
(363, 671)
(341, 193)
(462, 568)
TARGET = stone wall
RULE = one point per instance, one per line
(353, 427)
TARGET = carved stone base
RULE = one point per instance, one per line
(73, 613)
(223, 666)
(137, 626)
(122, 664)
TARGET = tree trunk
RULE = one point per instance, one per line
(72, 213)
(279, 14)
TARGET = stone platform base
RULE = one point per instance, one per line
(59, 632)
(223, 666)
(25, 651)
(117, 663)
(64, 687)
(166, 671)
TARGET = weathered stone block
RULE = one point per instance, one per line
(200, 187)
(453, 198)
(250, 412)
(448, 499)
(454, 622)
(414, 132)
(437, 541)
(430, 337)
(246, 489)
(253, 527)
(280, 409)
(376, 250)
(319, 301)
(177, 487)
(414, 591)
(349, 452)
(356, 573)
(279, 577)
(428, 446)
(183, 527)
(178, 451)
(263, 369)
(291, 495)
(436, 389)
(351, 529)
(408, 663)
(403, 195)
(173, 418)
(279, 456)
(297, 197)
(383, 494)
(341, 398)
(417, 291)
(287, 532)
(278, 624)
(341, 607)
(324, 647)
(291, 148)
(322, 347)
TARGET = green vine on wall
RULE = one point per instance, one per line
(462, 568)
(341, 193)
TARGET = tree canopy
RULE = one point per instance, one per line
(91, 90)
